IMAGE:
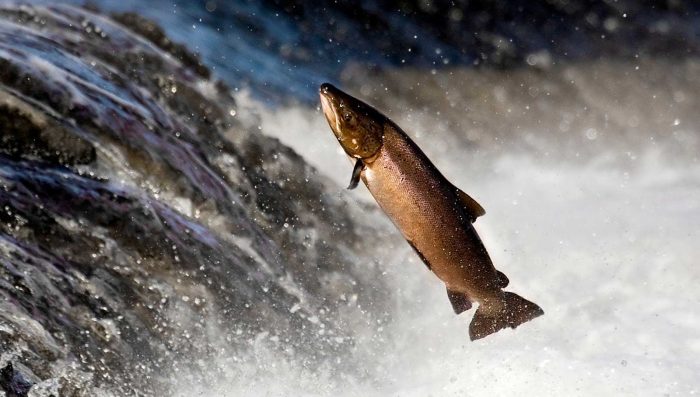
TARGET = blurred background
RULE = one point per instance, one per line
(175, 220)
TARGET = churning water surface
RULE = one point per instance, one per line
(588, 171)
(590, 179)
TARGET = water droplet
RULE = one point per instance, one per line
(591, 133)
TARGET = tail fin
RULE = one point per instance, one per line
(515, 311)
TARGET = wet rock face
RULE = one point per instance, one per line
(13, 383)
(26, 138)
(142, 226)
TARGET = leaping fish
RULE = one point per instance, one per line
(433, 215)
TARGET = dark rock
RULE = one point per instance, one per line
(151, 31)
(24, 137)
(13, 383)
(143, 229)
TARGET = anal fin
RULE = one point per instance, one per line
(472, 208)
(459, 300)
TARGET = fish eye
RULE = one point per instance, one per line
(347, 117)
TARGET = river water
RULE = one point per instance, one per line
(203, 257)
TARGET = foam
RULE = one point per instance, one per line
(608, 249)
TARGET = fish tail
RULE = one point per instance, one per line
(513, 311)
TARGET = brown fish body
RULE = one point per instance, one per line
(433, 215)
(425, 207)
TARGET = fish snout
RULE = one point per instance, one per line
(328, 106)
(327, 88)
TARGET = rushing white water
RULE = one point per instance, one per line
(153, 243)
(604, 240)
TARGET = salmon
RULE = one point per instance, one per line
(434, 216)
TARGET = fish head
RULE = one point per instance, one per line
(358, 126)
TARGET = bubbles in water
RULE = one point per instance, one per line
(591, 133)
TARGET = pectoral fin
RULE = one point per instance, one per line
(471, 207)
(356, 171)
(459, 300)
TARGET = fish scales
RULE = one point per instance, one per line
(433, 215)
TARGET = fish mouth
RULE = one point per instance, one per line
(328, 106)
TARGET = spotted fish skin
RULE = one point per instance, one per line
(433, 215)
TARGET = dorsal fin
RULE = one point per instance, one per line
(473, 209)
